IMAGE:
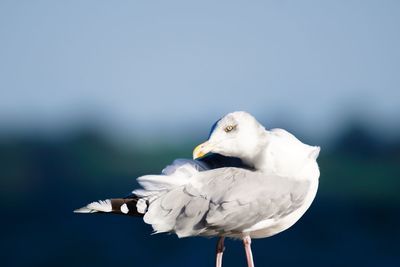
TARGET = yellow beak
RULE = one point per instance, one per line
(201, 150)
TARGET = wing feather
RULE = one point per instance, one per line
(225, 200)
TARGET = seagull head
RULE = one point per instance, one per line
(237, 134)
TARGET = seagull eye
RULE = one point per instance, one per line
(229, 128)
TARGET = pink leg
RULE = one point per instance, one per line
(247, 248)
(220, 252)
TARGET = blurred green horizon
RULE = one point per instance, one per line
(356, 163)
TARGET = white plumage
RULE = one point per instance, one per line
(97, 206)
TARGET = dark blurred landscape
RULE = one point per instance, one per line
(354, 220)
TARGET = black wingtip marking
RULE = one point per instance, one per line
(130, 203)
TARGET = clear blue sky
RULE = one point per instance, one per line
(173, 66)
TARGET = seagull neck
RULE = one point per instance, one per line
(257, 159)
(258, 162)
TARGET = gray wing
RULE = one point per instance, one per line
(225, 200)
(250, 197)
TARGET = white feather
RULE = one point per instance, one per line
(174, 175)
(101, 205)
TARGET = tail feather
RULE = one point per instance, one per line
(123, 206)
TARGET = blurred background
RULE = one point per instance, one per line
(96, 93)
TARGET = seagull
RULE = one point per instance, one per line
(244, 182)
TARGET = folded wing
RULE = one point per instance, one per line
(223, 201)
